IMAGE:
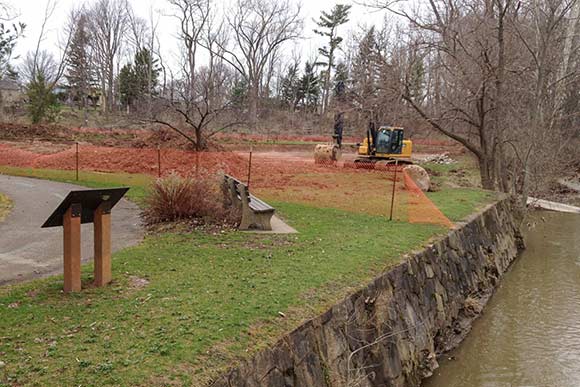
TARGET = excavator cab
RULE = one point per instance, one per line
(389, 140)
(384, 143)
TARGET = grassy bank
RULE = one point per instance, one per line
(5, 206)
(455, 188)
(185, 305)
(176, 296)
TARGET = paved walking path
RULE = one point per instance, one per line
(28, 251)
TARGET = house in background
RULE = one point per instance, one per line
(11, 94)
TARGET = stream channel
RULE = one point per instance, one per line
(529, 333)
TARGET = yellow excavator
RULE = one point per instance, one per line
(383, 145)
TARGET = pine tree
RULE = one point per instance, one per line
(291, 86)
(128, 89)
(329, 23)
(340, 81)
(417, 79)
(80, 76)
(146, 73)
(309, 91)
(42, 102)
(367, 70)
(239, 93)
(139, 79)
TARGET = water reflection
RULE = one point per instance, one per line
(529, 334)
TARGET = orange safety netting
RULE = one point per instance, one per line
(420, 208)
(291, 177)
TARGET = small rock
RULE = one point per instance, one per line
(442, 158)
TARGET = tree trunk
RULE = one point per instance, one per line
(199, 143)
(85, 110)
(253, 105)
(326, 91)
(499, 152)
(110, 86)
(485, 170)
(104, 98)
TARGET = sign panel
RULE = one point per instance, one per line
(89, 201)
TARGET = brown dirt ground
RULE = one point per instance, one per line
(277, 175)
(269, 169)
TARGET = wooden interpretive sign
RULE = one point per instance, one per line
(86, 206)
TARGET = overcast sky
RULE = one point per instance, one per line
(31, 12)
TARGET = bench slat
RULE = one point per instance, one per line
(258, 205)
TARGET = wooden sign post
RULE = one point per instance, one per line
(102, 227)
(89, 206)
(72, 248)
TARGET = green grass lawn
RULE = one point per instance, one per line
(5, 206)
(456, 193)
(184, 306)
(203, 290)
(458, 203)
(137, 183)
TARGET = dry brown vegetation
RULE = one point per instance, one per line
(194, 198)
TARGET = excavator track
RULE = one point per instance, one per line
(377, 163)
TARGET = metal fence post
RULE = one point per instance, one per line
(77, 161)
(250, 167)
(159, 160)
(394, 188)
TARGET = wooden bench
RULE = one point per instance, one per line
(256, 214)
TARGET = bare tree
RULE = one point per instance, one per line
(143, 35)
(259, 29)
(543, 147)
(36, 63)
(109, 21)
(467, 40)
(200, 108)
(42, 72)
(496, 76)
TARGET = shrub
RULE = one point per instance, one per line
(175, 198)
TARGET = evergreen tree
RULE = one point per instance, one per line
(340, 82)
(309, 91)
(417, 79)
(239, 93)
(328, 23)
(80, 76)
(139, 79)
(291, 86)
(146, 73)
(128, 89)
(367, 70)
(42, 102)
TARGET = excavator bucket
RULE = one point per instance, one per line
(326, 154)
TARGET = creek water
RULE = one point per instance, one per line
(529, 333)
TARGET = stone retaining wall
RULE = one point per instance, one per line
(389, 333)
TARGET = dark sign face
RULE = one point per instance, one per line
(88, 201)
